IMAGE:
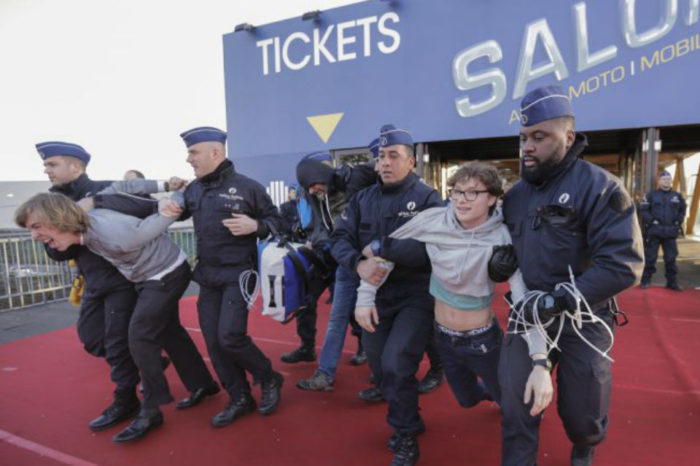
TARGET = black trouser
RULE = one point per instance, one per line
(394, 351)
(651, 252)
(466, 357)
(306, 319)
(584, 381)
(431, 350)
(155, 325)
(103, 327)
(223, 317)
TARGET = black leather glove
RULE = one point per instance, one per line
(503, 263)
(549, 306)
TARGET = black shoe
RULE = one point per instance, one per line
(358, 359)
(406, 453)
(303, 353)
(243, 405)
(371, 395)
(644, 285)
(674, 286)
(198, 395)
(146, 420)
(432, 380)
(582, 455)
(114, 414)
(271, 393)
(393, 441)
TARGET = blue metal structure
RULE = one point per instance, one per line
(453, 69)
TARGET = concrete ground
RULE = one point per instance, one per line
(36, 320)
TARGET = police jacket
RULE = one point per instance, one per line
(100, 275)
(582, 217)
(374, 213)
(662, 213)
(213, 198)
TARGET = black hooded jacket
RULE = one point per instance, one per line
(342, 184)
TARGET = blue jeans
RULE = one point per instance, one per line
(344, 297)
(466, 357)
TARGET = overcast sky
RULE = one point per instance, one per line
(120, 77)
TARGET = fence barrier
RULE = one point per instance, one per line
(29, 277)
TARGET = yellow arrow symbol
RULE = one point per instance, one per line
(324, 125)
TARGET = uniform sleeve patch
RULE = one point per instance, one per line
(620, 201)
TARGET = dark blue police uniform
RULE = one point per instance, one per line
(108, 298)
(404, 305)
(581, 217)
(221, 258)
(662, 214)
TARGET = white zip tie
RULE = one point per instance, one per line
(243, 280)
(579, 316)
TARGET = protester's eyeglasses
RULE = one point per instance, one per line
(455, 194)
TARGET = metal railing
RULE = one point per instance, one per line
(28, 277)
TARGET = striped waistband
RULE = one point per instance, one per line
(464, 333)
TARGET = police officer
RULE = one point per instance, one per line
(108, 299)
(565, 212)
(230, 211)
(326, 192)
(290, 214)
(395, 336)
(663, 211)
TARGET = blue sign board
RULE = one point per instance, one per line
(453, 69)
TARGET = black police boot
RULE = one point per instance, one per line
(147, 420)
(406, 453)
(582, 455)
(674, 286)
(432, 380)
(236, 408)
(126, 405)
(644, 284)
(198, 395)
(371, 395)
(271, 393)
(360, 356)
(393, 441)
(303, 353)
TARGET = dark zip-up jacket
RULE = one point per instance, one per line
(582, 217)
(374, 213)
(663, 213)
(100, 275)
(213, 198)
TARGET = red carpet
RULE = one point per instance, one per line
(50, 389)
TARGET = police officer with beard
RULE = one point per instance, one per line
(396, 336)
(230, 211)
(565, 212)
(108, 298)
(663, 211)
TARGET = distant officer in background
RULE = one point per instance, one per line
(230, 212)
(663, 212)
(290, 214)
(108, 298)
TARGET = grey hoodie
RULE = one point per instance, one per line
(139, 249)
